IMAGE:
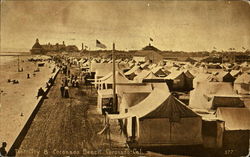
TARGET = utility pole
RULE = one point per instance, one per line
(114, 81)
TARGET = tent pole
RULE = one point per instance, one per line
(114, 81)
(109, 134)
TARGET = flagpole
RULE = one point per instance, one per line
(114, 81)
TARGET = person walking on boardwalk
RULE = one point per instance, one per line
(62, 90)
(77, 83)
(3, 151)
(66, 92)
(40, 92)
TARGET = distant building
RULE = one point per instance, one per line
(55, 48)
(150, 53)
(236, 58)
(37, 48)
(242, 58)
(71, 48)
(42, 49)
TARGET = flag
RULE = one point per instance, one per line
(99, 44)
(151, 39)
(243, 48)
(86, 47)
(214, 47)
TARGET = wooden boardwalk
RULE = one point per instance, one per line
(65, 126)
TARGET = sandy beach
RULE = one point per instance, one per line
(19, 100)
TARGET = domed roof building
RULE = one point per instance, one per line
(149, 52)
(150, 48)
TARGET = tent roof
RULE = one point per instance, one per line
(235, 72)
(201, 97)
(151, 76)
(132, 70)
(218, 88)
(160, 104)
(144, 65)
(142, 74)
(101, 67)
(201, 77)
(213, 78)
(227, 101)
(169, 106)
(134, 88)
(174, 75)
(189, 74)
(244, 78)
(156, 69)
(244, 64)
(154, 99)
(222, 74)
(131, 99)
(235, 118)
(146, 75)
(120, 78)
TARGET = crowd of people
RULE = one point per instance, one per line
(69, 79)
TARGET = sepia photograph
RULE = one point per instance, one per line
(125, 78)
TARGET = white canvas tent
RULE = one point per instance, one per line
(235, 118)
(162, 120)
(133, 72)
(120, 90)
(205, 95)
(108, 80)
(242, 84)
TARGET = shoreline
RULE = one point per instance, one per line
(11, 151)
(18, 101)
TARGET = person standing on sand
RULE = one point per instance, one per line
(3, 151)
(62, 90)
(66, 92)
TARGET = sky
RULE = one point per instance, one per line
(173, 25)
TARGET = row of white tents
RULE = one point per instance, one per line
(216, 116)
(152, 116)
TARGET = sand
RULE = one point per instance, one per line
(19, 100)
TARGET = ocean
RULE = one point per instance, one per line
(6, 57)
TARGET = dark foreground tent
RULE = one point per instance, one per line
(162, 120)
(236, 134)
